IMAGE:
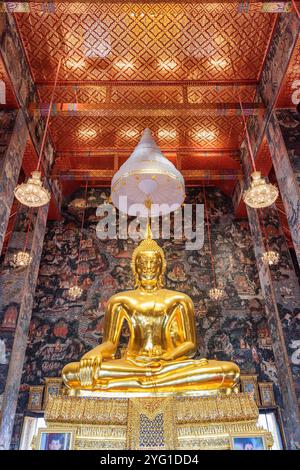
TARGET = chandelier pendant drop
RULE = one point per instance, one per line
(216, 293)
(260, 193)
(32, 193)
(21, 259)
(75, 292)
(270, 257)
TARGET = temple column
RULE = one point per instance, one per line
(10, 165)
(287, 180)
(277, 301)
(18, 287)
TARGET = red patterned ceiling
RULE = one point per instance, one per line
(168, 41)
(123, 132)
(174, 67)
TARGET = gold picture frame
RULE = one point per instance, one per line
(266, 392)
(248, 441)
(249, 385)
(53, 386)
(35, 399)
(55, 439)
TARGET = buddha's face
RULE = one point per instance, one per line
(148, 265)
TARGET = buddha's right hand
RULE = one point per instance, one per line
(87, 369)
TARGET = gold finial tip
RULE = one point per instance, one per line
(148, 235)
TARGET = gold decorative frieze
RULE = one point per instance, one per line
(87, 410)
(223, 408)
(178, 422)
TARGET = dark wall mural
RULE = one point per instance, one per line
(10, 166)
(62, 330)
(289, 122)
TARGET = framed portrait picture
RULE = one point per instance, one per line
(249, 385)
(266, 394)
(251, 442)
(55, 439)
(35, 398)
(52, 388)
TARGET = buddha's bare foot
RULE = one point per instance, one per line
(145, 382)
(103, 384)
(203, 362)
(225, 391)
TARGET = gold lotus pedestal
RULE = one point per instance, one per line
(186, 421)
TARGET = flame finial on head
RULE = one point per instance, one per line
(148, 244)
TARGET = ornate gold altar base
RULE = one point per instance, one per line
(170, 422)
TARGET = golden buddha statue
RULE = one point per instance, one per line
(162, 340)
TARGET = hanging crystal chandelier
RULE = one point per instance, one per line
(21, 259)
(32, 193)
(216, 293)
(75, 292)
(260, 194)
(270, 257)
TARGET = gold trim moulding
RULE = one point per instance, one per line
(143, 394)
(147, 172)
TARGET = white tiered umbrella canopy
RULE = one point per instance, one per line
(148, 178)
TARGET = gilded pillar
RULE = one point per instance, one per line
(286, 177)
(18, 288)
(281, 294)
(10, 164)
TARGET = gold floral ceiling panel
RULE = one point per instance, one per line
(178, 68)
(171, 41)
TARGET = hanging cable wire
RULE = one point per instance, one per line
(269, 257)
(23, 258)
(247, 134)
(49, 114)
(75, 291)
(81, 230)
(209, 237)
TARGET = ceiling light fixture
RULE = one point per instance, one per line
(87, 133)
(205, 135)
(22, 258)
(168, 64)
(147, 178)
(124, 64)
(167, 134)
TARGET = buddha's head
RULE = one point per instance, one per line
(148, 265)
